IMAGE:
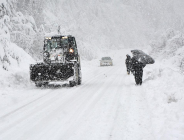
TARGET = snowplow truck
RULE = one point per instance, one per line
(61, 62)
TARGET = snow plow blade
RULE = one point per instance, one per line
(51, 72)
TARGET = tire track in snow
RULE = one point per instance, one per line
(136, 122)
(25, 105)
(77, 104)
(37, 99)
(26, 112)
(21, 107)
(92, 108)
(32, 113)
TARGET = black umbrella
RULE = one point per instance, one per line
(142, 57)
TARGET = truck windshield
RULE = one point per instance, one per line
(55, 43)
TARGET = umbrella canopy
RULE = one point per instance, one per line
(142, 57)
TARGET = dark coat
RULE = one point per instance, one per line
(137, 70)
(128, 63)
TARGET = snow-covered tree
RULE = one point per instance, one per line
(169, 47)
(13, 25)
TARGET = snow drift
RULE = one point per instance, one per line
(169, 48)
(14, 61)
(14, 64)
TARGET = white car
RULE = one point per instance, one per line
(106, 61)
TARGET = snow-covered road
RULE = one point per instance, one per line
(107, 106)
(103, 107)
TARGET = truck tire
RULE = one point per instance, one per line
(76, 80)
(80, 78)
(79, 81)
(76, 74)
(72, 83)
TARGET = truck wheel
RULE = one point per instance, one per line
(79, 81)
(72, 83)
(76, 74)
(80, 78)
(76, 80)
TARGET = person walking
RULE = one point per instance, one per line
(128, 63)
(137, 70)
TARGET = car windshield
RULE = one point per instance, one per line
(55, 43)
(106, 58)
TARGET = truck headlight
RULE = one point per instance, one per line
(71, 50)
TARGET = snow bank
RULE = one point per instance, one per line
(14, 61)
(164, 89)
(169, 48)
(164, 85)
(14, 65)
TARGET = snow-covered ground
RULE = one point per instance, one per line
(107, 106)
